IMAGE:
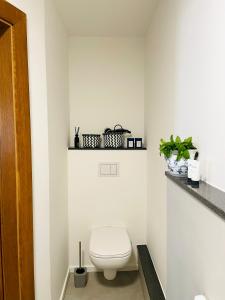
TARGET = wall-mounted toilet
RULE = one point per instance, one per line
(110, 249)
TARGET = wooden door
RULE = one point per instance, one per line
(16, 225)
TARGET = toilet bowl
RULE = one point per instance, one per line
(109, 249)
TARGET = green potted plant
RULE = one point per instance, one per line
(176, 153)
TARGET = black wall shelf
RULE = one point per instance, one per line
(107, 149)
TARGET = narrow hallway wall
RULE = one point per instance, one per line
(58, 126)
(185, 95)
(159, 122)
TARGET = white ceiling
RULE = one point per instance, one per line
(106, 17)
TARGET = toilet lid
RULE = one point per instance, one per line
(110, 242)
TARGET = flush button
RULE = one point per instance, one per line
(113, 169)
(109, 169)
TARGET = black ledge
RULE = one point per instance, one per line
(211, 197)
(150, 275)
(107, 149)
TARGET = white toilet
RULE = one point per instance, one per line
(110, 249)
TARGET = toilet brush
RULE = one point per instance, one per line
(80, 273)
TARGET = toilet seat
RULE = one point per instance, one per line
(123, 255)
(110, 243)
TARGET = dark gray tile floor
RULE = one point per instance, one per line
(126, 286)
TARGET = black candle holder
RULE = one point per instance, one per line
(130, 143)
(138, 143)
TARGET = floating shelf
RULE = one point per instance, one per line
(208, 195)
(107, 149)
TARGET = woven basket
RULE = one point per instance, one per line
(91, 141)
(114, 139)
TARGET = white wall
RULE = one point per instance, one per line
(106, 77)
(35, 11)
(196, 242)
(200, 89)
(184, 95)
(58, 127)
(100, 201)
(159, 115)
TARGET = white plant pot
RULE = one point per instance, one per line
(177, 168)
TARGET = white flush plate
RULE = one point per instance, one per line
(108, 169)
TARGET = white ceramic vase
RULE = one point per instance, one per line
(176, 167)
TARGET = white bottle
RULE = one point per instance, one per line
(195, 173)
(190, 160)
(189, 170)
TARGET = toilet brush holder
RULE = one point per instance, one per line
(80, 277)
(80, 274)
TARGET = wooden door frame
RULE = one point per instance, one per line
(16, 19)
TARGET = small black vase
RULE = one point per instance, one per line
(76, 141)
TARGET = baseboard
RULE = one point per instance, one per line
(64, 285)
(159, 280)
(151, 285)
(143, 282)
(91, 268)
